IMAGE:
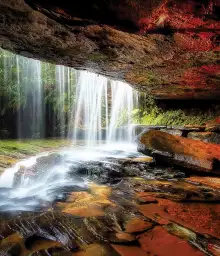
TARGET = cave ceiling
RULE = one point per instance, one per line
(169, 48)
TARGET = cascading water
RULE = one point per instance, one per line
(22, 77)
(122, 106)
(101, 106)
(91, 108)
(61, 89)
(31, 114)
(95, 110)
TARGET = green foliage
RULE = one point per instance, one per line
(171, 118)
(16, 81)
(150, 114)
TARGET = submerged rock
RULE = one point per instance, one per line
(185, 152)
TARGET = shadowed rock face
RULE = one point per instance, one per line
(169, 48)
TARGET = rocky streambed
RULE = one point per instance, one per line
(115, 204)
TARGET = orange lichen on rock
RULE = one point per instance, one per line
(137, 225)
(85, 204)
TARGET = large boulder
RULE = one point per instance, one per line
(180, 151)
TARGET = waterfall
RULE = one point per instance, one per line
(31, 113)
(61, 102)
(23, 90)
(91, 109)
(61, 89)
(103, 109)
(122, 106)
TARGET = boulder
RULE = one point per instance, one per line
(185, 152)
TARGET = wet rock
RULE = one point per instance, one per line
(128, 250)
(173, 189)
(200, 128)
(159, 242)
(137, 225)
(111, 170)
(212, 182)
(37, 243)
(122, 238)
(214, 247)
(209, 137)
(144, 198)
(137, 128)
(185, 152)
(141, 160)
(181, 232)
(199, 217)
(205, 243)
(85, 204)
(53, 251)
(97, 250)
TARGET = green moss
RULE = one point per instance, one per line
(173, 118)
(22, 148)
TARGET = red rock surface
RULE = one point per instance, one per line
(128, 250)
(200, 217)
(159, 242)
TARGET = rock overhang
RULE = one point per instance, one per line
(168, 48)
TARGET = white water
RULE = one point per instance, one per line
(91, 91)
(122, 106)
(31, 193)
(7, 178)
(101, 105)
